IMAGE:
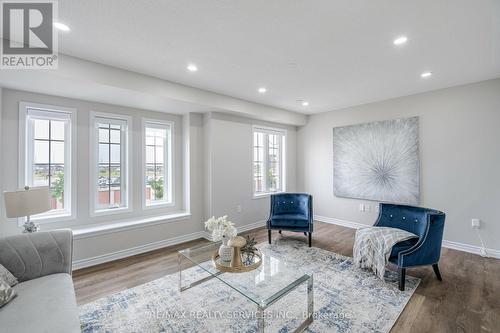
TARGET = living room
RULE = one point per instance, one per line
(223, 166)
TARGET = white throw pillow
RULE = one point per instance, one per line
(7, 276)
(6, 293)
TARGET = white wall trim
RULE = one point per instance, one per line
(185, 155)
(447, 244)
(344, 223)
(490, 253)
(87, 262)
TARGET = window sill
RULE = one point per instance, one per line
(48, 218)
(157, 205)
(112, 227)
(265, 195)
(110, 211)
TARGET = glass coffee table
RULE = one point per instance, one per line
(263, 286)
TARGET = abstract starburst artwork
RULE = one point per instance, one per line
(377, 161)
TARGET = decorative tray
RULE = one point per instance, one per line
(249, 262)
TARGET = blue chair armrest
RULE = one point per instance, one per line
(427, 250)
(427, 224)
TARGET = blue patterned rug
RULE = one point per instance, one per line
(346, 299)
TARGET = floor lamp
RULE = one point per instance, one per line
(27, 202)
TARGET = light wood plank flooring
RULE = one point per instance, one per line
(468, 299)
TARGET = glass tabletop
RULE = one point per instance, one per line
(263, 285)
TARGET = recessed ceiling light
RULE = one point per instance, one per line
(192, 68)
(400, 40)
(425, 75)
(262, 90)
(305, 103)
(61, 26)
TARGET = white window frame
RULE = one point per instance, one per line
(269, 130)
(126, 169)
(169, 163)
(26, 157)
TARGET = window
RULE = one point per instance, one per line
(157, 164)
(47, 155)
(268, 160)
(110, 164)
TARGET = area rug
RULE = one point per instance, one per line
(346, 299)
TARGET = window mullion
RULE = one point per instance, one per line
(50, 155)
(109, 164)
(266, 162)
(280, 163)
(124, 170)
(154, 162)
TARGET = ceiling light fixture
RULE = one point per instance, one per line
(61, 26)
(400, 40)
(192, 68)
(425, 75)
(305, 103)
(262, 90)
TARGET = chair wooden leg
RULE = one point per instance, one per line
(269, 235)
(402, 277)
(436, 270)
(310, 239)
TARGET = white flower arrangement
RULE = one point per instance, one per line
(221, 228)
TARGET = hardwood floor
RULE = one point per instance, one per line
(468, 299)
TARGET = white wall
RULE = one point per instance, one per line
(459, 154)
(230, 182)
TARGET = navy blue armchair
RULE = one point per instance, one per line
(427, 224)
(292, 212)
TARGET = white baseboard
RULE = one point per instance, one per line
(241, 228)
(344, 223)
(87, 262)
(490, 253)
(447, 244)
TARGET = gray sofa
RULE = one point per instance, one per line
(45, 299)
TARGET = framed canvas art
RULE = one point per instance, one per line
(377, 161)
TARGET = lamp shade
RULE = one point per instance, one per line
(27, 202)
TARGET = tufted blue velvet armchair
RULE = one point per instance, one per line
(293, 212)
(427, 224)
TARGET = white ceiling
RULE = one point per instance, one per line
(331, 53)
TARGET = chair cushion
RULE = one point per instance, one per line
(290, 220)
(401, 246)
(46, 304)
